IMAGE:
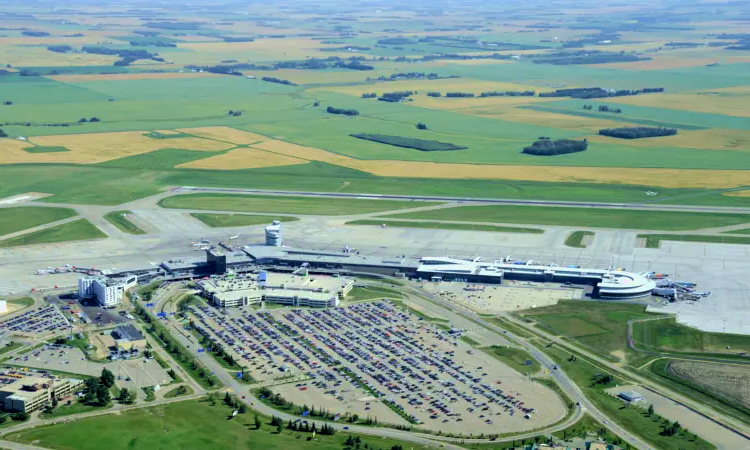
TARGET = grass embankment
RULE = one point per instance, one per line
(576, 238)
(13, 220)
(286, 204)
(183, 425)
(119, 219)
(633, 418)
(446, 226)
(77, 230)
(76, 407)
(742, 231)
(515, 358)
(669, 336)
(179, 391)
(239, 220)
(655, 240)
(599, 327)
(362, 293)
(10, 346)
(581, 217)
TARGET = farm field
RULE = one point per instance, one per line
(20, 218)
(282, 204)
(238, 220)
(586, 217)
(445, 226)
(78, 230)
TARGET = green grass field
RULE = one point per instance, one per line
(361, 293)
(587, 217)
(119, 219)
(78, 230)
(599, 327)
(655, 240)
(445, 226)
(75, 407)
(668, 335)
(238, 220)
(515, 358)
(575, 239)
(40, 149)
(283, 204)
(20, 218)
(742, 231)
(178, 426)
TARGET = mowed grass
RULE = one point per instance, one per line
(576, 238)
(515, 358)
(238, 220)
(21, 218)
(584, 217)
(78, 230)
(183, 425)
(669, 335)
(282, 204)
(445, 226)
(119, 219)
(599, 327)
(655, 240)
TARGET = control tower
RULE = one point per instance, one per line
(273, 234)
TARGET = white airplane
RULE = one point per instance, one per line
(234, 237)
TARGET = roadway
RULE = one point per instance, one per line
(481, 200)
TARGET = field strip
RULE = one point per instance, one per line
(225, 134)
(243, 158)
(129, 76)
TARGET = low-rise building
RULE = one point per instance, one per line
(128, 337)
(31, 393)
(631, 396)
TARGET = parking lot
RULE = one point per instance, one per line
(128, 374)
(362, 356)
(38, 321)
(511, 296)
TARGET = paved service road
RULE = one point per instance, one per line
(494, 201)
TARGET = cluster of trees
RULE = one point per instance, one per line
(128, 56)
(637, 132)
(3, 133)
(353, 65)
(508, 94)
(127, 396)
(434, 94)
(406, 142)
(369, 95)
(345, 112)
(597, 92)
(234, 113)
(605, 379)
(34, 33)
(459, 94)
(546, 147)
(603, 108)
(154, 43)
(421, 126)
(59, 48)
(306, 427)
(92, 120)
(395, 97)
(96, 390)
(279, 81)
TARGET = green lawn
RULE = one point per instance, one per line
(21, 218)
(78, 230)
(575, 239)
(360, 293)
(75, 407)
(584, 217)
(183, 425)
(599, 327)
(179, 391)
(445, 226)
(655, 240)
(10, 347)
(668, 335)
(238, 220)
(118, 219)
(515, 358)
(283, 204)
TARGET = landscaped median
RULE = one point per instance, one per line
(238, 220)
(445, 226)
(120, 220)
(655, 240)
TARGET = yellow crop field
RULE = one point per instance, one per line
(542, 118)
(41, 57)
(226, 134)
(710, 139)
(303, 152)
(129, 76)
(716, 101)
(243, 158)
(743, 193)
(98, 147)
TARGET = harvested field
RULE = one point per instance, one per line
(243, 158)
(729, 381)
(98, 147)
(129, 76)
(226, 134)
(730, 101)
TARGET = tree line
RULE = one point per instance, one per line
(508, 94)
(342, 111)
(597, 92)
(637, 132)
(603, 108)
(279, 81)
(546, 147)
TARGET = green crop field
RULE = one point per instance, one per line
(119, 219)
(78, 230)
(445, 226)
(181, 425)
(282, 204)
(238, 220)
(587, 217)
(20, 218)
